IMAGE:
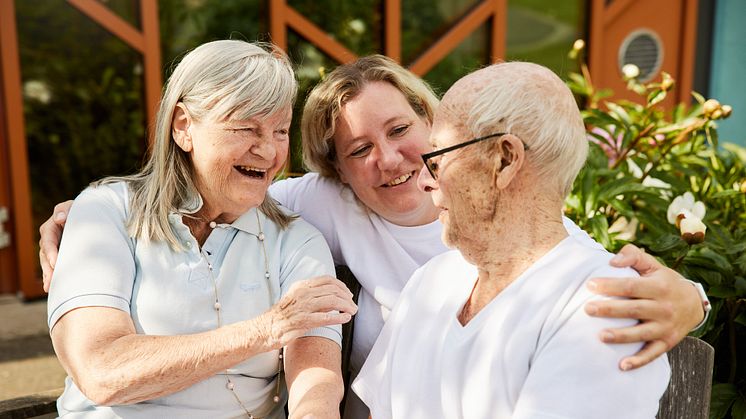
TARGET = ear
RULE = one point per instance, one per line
(180, 125)
(512, 157)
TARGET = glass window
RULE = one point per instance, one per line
(83, 102)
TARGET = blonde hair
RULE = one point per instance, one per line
(538, 108)
(326, 100)
(219, 80)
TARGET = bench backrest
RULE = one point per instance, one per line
(688, 393)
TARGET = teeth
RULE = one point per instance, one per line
(251, 168)
(401, 179)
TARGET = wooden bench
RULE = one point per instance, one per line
(39, 405)
(688, 393)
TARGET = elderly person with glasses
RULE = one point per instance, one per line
(496, 328)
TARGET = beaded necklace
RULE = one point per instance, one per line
(218, 307)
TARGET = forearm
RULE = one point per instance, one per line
(314, 377)
(122, 367)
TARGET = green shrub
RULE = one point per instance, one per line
(641, 158)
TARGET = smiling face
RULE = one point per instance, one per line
(378, 140)
(234, 161)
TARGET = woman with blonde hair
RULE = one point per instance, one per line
(177, 288)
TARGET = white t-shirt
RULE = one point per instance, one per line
(532, 352)
(381, 255)
(172, 293)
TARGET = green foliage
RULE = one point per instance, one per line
(642, 157)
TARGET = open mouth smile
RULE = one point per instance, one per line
(399, 180)
(252, 172)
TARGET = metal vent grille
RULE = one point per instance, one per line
(644, 49)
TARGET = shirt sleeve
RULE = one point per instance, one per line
(373, 384)
(575, 375)
(318, 201)
(310, 258)
(95, 266)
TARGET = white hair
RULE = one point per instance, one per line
(220, 80)
(532, 103)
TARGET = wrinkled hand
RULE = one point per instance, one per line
(316, 302)
(49, 243)
(667, 306)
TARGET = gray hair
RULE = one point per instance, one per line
(538, 108)
(219, 80)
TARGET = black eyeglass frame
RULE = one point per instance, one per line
(436, 153)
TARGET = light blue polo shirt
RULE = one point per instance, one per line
(171, 293)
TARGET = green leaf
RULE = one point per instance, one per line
(739, 408)
(723, 396)
(722, 291)
(620, 112)
(741, 318)
(707, 258)
(667, 243)
(656, 96)
(740, 285)
(699, 98)
(621, 186)
(728, 193)
(600, 230)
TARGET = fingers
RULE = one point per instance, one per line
(641, 332)
(60, 212)
(643, 287)
(46, 270)
(51, 234)
(629, 309)
(647, 354)
(318, 287)
(634, 257)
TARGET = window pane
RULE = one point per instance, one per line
(425, 21)
(543, 31)
(83, 102)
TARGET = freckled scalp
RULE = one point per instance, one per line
(531, 102)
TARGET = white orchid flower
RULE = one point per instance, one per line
(692, 230)
(686, 207)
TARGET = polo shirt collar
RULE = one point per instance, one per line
(246, 222)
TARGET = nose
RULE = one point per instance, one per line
(264, 148)
(425, 181)
(388, 156)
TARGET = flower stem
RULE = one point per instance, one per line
(680, 259)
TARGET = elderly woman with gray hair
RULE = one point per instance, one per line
(496, 328)
(177, 288)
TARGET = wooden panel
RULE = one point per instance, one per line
(22, 231)
(282, 17)
(611, 24)
(392, 29)
(465, 27)
(8, 273)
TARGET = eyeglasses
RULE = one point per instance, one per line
(432, 166)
